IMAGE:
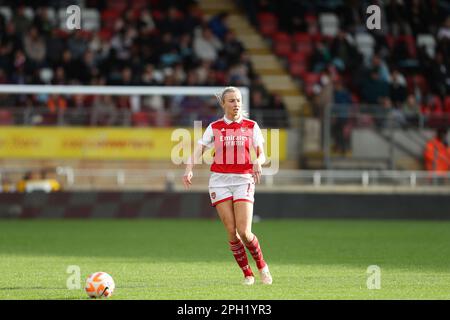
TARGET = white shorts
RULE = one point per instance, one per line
(241, 192)
(229, 186)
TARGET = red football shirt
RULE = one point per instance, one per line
(232, 141)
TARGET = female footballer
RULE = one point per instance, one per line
(232, 182)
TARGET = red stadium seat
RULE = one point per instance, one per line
(282, 44)
(105, 34)
(311, 18)
(117, 5)
(157, 15)
(447, 104)
(268, 23)
(138, 4)
(298, 69)
(355, 98)
(390, 40)
(283, 49)
(109, 18)
(303, 43)
(298, 57)
(302, 37)
(281, 37)
(298, 64)
(310, 79)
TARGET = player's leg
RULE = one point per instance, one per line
(243, 214)
(226, 214)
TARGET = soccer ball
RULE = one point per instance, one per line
(99, 285)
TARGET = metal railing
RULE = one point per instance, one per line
(284, 178)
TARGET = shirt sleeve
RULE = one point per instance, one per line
(208, 138)
(258, 139)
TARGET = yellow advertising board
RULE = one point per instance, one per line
(101, 143)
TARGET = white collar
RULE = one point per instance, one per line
(228, 121)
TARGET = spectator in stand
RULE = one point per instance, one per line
(193, 17)
(444, 31)
(411, 110)
(344, 53)
(203, 71)
(419, 17)
(179, 74)
(340, 117)
(185, 50)
(35, 47)
(397, 17)
(232, 48)
(437, 153)
(77, 44)
(70, 66)
(378, 63)
(206, 45)
(219, 25)
(20, 20)
(59, 77)
(374, 89)
(104, 111)
(9, 43)
(323, 93)
(55, 47)
(127, 78)
(439, 76)
(260, 107)
(320, 57)
(279, 118)
(172, 22)
(145, 22)
(401, 54)
(238, 75)
(397, 88)
(42, 21)
(257, 85)
(56, 103)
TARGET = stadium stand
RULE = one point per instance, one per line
(121, 43)
(311, 37)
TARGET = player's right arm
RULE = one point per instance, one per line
(187, 177)
(206, 142)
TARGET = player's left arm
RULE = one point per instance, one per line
(258, 144)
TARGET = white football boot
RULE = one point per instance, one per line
(266, 277)
(249, 280)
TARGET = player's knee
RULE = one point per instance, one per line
(233, 235)
(245, 234)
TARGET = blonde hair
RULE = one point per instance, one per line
(221, 97)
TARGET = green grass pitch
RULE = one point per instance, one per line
(190, 259)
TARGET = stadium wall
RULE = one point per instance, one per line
(197, 205)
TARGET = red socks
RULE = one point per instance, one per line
(237, 247)
(256, 252)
